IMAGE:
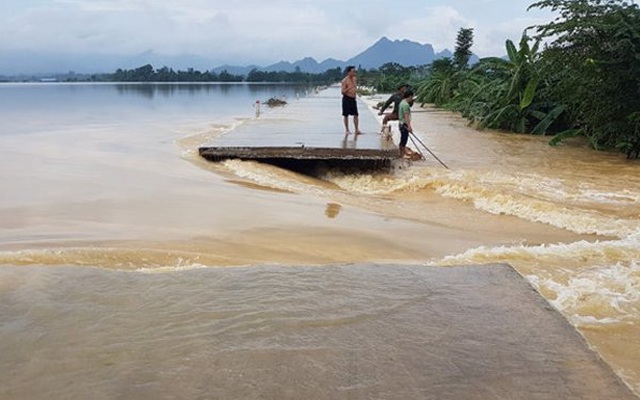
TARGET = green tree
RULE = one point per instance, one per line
(439, 86)
(445, 76)
(594, 62)
(514, 89)
(462, 52)
(497, 93)
(145, 73)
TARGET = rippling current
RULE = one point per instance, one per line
(113, 234)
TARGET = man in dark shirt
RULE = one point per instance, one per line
(395, 98)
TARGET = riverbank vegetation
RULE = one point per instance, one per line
(147, 73)
(389, 76)
(384, 79)
(584, 81)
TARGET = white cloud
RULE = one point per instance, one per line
(491, 41)
(436, 25)
(251, 30)
(101, 5)
(439, 26)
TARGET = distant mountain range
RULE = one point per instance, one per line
(404, 52)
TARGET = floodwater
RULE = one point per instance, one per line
(111, 226)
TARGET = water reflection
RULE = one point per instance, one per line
(333, 210)
(151, 90)
(350, 144)
(257, 107)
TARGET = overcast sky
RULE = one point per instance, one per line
(255, 31)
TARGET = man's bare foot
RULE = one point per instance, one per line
(347, 133)
(359, 133)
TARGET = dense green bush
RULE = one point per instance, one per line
(389, 76)
(594, 60)
(586, 81)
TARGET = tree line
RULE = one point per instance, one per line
(584, 82)
(327, 77)
(147, 73)
(384, 79)
(389, 76)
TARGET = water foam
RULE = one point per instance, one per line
(190, 144)
(172, 269)
(530, 197)
(526, 196)
(594, 283)
(274, 177)
(576, 220)
(625, 197)
(599, 252)
(114, 258)
(598, 295)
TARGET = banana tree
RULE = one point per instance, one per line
(516, 81)
(439, 86)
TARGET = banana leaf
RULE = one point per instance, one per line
(529, 94)
(557, 139)
(545, 123)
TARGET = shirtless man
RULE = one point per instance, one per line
(349, 104)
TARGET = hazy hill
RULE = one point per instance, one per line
(404, 52)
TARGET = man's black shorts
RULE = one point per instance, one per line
(349, 106)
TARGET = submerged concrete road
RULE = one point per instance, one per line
(384, 332)
(309, 128)
(362, 332)
(313, 121)
(477, 332)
